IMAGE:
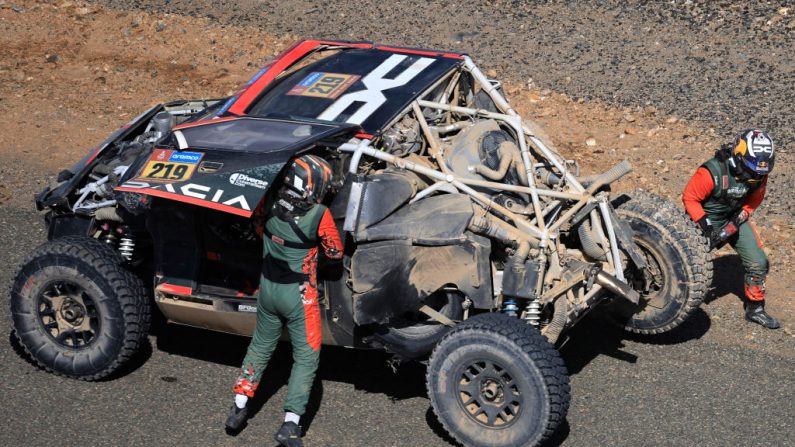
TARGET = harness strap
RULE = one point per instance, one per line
(305, 243)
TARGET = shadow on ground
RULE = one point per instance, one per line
(727, 278)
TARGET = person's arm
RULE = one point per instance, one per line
(258, 219)
(329, 236)
(698, 189)
(754, 199)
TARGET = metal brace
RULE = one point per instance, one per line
(429, 311)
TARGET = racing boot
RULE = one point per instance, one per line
(289, 435)
(237, 416)
(755, 312)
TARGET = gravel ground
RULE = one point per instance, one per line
(716, 381)
(727, 64)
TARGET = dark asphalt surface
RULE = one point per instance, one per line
(715, 382)
(718, 381)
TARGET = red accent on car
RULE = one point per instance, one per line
(174, 289)
(213, 256)
(420, 52)
(202, 123)
(186, 199)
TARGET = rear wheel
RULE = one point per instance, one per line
(495, 381)
(76, 310)
(679, 267)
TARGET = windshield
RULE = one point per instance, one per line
(253, 135)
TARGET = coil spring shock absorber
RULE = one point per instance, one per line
(510, 308)
(532, 313)
(126, 245)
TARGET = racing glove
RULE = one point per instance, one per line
(731, 228)
(706, 227)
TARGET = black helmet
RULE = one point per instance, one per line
(308, 178)
(752, 155)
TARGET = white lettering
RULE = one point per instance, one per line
(188, 190)
(372, 96)
(239, 200)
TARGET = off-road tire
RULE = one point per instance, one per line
(417, 340)
(521, 358)
(117, 300)
(675, 242)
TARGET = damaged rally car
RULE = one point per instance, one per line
(469, 241)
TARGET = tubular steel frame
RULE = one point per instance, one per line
(539, 233)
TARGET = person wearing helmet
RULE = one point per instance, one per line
(293, 231)
(722, 196)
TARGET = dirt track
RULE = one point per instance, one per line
(65, 86)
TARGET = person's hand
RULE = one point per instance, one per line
(706, 227)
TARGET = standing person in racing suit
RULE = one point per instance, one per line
(295, 228)
(722, 196)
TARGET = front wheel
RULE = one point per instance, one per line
(495, 381)
(679, 266)
(76, 311)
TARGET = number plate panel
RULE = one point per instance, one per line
(165, 165)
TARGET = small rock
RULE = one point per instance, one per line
(121, 68)
(653, 131)
(546, 92)
(672, 120)
(101, 79)
(17, 8)
(629, 118)
(784, 11)
(660, 162)
(53, 58)
(677, 156)
(126, 32)
(590, 141)
(136, 22)
(161, 25)
(82, 12)
(631, 130)
(491, 73)
(650, 110)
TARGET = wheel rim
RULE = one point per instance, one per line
(68, 314)
(653, 289)
(489, 394)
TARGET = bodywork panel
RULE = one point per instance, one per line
(368, 87)
(228, 165)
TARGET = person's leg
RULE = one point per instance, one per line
(305, 329)
(749, 246)
(266, 335)
(304, 326)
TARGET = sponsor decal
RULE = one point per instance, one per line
(372, 97)
(238, 179)
(323, 85)
(246, 308)
(196, 191)
(186, 157)
(166, 165)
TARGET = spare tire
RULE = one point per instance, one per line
(76, 311)
(679, 269)
(415, 334)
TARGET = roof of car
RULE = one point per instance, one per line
(362, 84)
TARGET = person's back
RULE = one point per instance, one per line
(294, 230)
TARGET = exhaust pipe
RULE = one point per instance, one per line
(617, 287)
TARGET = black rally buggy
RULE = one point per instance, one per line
(468, 238)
